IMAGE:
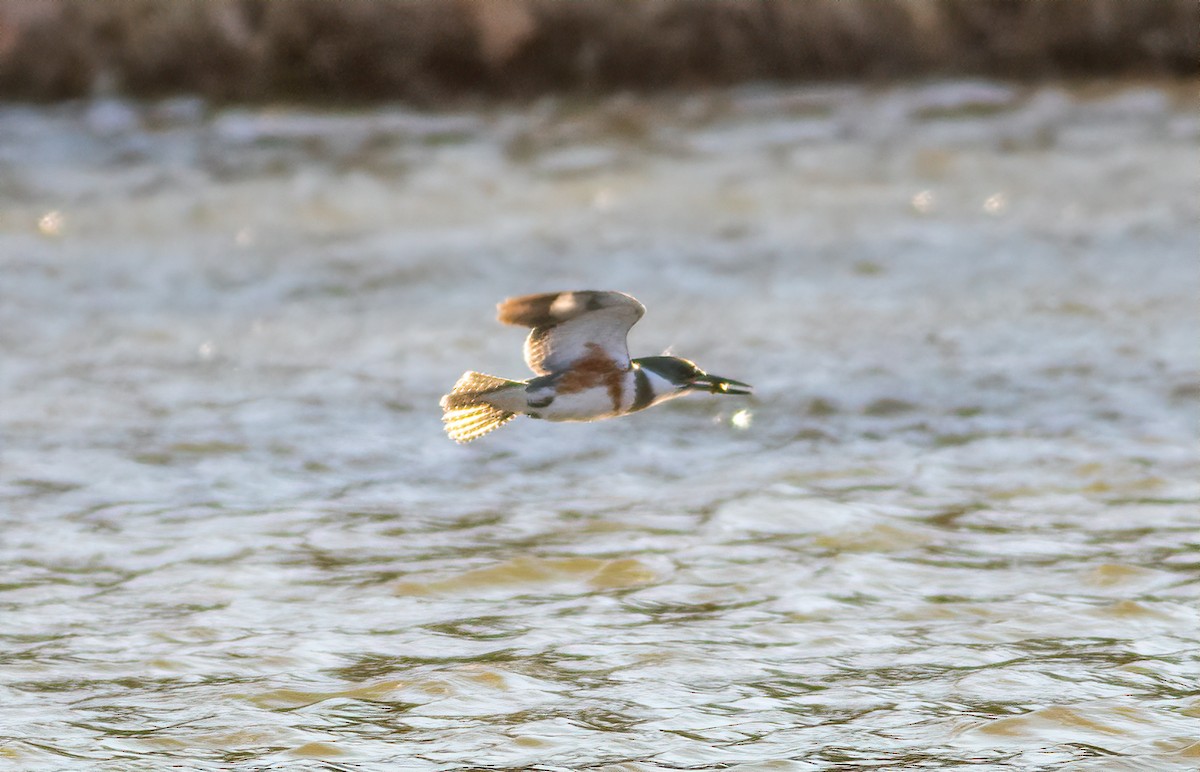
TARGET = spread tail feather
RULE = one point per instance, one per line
(465, 413)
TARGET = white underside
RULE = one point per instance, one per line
(590, 405)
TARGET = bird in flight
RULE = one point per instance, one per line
(577, 349)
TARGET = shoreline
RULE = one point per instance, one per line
(435, 52)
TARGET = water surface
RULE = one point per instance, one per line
(957, 523)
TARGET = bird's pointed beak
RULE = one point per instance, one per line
(718, 385)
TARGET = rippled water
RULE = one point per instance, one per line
(957, 524)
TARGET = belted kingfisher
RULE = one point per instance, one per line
(577, 348)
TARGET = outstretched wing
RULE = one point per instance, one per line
(571, 326)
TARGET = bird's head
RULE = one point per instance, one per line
(687, 377)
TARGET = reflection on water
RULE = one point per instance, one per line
(956, 524)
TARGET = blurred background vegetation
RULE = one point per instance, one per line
(431, 51)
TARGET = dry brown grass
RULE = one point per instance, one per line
(431, 50)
